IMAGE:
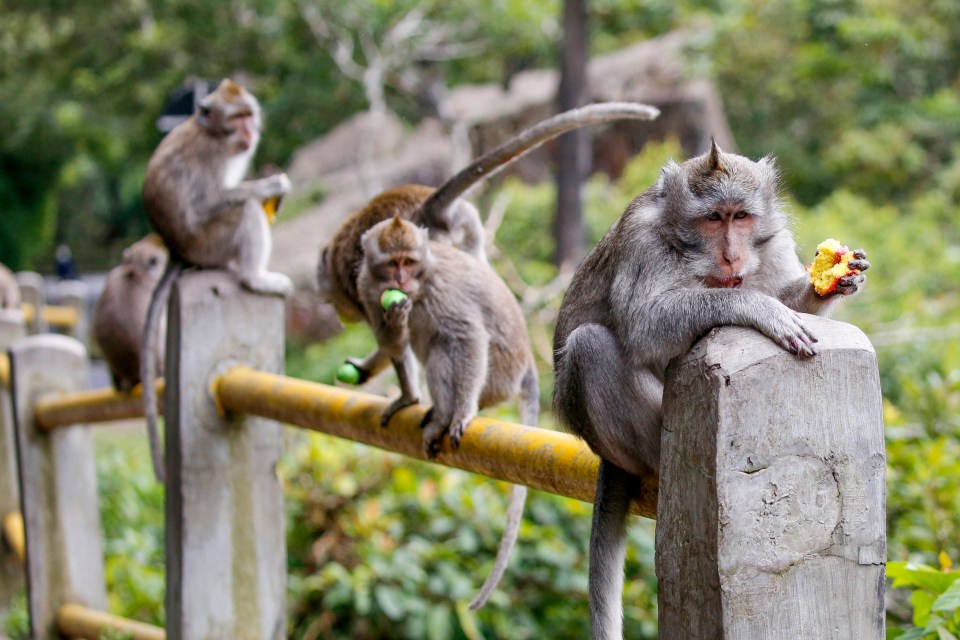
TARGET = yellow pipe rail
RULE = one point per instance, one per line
(87, 407)
(542, 459)
(75, 621)
(53, 315)
(13, 533)
(4, 371)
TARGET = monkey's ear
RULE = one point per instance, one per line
(713, 162)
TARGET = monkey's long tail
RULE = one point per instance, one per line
(608, 551)
(518, 498)
(148, 361)
(529, 411)
(525, 141)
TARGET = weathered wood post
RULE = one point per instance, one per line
(226, 553)
(33, 291)
(12, 329)
(73, 295)
(58, 485)
(771, 513)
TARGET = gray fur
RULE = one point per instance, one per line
(465, 326)
(642, 297)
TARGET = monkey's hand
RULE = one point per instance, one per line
(396, 405)
(836, 270)
(851, 283)
(785, 327)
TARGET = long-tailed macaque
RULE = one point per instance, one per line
(707, 245)
(9, 290)
(121, 311)
(465, 327)
(447, 218)
(204, 211)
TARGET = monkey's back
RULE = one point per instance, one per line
(462, 296)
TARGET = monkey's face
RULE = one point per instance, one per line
(717, 208)
(144, 260)
(397, 255)
(231, 113)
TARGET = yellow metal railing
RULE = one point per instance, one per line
(4, 371)
(13, 534)
(539, 458)
(75, 621)
(53, 315)
(88, 407)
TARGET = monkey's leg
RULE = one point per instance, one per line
(456, 372)
(613, 405)
(253, 253)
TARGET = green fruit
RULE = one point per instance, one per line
(348, 373)
(391, 297)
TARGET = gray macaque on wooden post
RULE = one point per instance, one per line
(226, 553)
(772, 485)
(58, 485)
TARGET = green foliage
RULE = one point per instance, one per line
(17, 622)
(131, 513)
(381, 546)
(935, 598)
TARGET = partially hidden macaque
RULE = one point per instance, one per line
(707, 245)
(121, 311)
(464, 326)
(9, 290)
(446, 217)
(204, 211)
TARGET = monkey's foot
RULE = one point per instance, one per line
(395, 406)
(268, 282)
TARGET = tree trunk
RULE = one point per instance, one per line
(574, 148)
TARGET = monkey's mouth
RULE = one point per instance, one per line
(730, 282)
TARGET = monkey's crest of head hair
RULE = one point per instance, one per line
(716, 178)
(396, 234)
(230, 89)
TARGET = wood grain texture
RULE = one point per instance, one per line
(226, 553)
(58, 485)
(771, 514)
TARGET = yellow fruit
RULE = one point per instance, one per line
(830, 264)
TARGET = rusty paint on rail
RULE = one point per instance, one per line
(13, 534)
(539, 458)
(53, 315)
(76, 621)
(91, 407)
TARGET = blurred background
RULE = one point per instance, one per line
(858, 100)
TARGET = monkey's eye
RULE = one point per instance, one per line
(152, 261)
(740, 215)
(408, 262)
(714, 216)
(204, 111)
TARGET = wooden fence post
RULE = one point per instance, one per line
(58, 485)
(12, 329)
(226, 552)
(73, 295)
(771, 514)
(33, 291)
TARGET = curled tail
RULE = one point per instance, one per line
(148, 360)
(434, 206)
(529, 410)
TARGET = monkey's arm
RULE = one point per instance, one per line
(262, 189)
(667, 325)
